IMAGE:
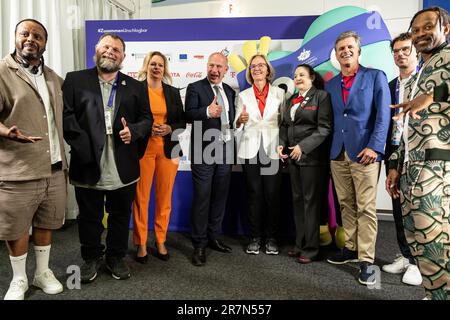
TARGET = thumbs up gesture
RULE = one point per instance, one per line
(125, 134)
(214, 109)
(243, 117)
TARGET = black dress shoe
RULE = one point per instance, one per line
(219, 246)
(142, 260)
(199, 257)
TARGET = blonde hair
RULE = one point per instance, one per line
(270, 69)
(142, 74)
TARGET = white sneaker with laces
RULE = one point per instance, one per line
(412, 276)
(398, 266)
(47, 282)
(17, 289)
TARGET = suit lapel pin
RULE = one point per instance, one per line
(123, 83)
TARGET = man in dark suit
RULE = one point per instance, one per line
(360, 99)
(106, 116)
(405, 57)
(210, 109)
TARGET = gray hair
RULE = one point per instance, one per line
(348, 34)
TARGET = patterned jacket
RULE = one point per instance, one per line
(429, 136)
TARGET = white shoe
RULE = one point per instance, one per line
(48, 282)
(412, 276)
(398, 266)
(17, 289)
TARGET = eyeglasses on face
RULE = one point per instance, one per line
(258, 66)
(405, 50)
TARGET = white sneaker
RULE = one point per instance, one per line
(412, 276)
(398, 266)
(17, 289)
(47, 282)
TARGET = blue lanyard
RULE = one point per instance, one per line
(397, 91)
(113, 92)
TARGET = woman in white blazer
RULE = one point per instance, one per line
(258, 114)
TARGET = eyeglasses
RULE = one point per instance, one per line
(259, 66)
(405, 50)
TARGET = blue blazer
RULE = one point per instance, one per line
(363, 122)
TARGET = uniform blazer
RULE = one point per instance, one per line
(84, 125)
(311, 128)
(199, 96)
(175, 119)
(389, 148)
(257, 127)
(363, 121)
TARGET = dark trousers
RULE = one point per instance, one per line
(211, 185)
(400, 229)
(307, 185)
(263, 191)
(91, 204)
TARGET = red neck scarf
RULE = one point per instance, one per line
(261, 97)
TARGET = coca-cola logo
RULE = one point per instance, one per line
(197, 74)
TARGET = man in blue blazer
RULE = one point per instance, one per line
(210, 109)
(360, 100)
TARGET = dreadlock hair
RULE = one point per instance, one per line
(443, 16)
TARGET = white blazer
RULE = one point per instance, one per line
(266, 127)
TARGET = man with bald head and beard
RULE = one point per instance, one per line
(32, 161)
(106, 118)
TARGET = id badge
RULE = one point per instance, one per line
(108, 121)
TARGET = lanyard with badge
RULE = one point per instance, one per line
(110, 108)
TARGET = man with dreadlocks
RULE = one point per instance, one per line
(423, 157)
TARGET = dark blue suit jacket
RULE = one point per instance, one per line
(199, 96)
(363, 121)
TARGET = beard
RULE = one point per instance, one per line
(424, 48)
(30, 56)
(106, 65)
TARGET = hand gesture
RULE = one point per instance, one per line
(125, 134)
(15, 134)
(243, 117)
(367, 156)
(413, 106)
(214, 109)
(392, 183)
